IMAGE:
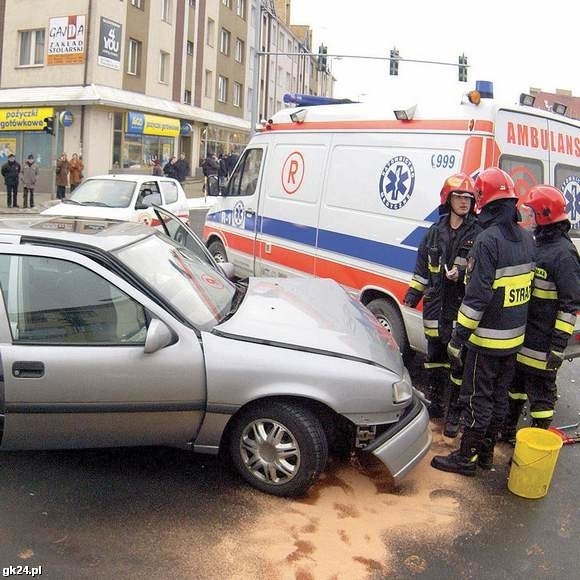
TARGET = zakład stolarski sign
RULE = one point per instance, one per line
(145, 124)
(66, 40)
(24, 119)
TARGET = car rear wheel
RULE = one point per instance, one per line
(389, 317)
(279, 448)
(217, 250)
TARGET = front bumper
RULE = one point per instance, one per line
(405, 443)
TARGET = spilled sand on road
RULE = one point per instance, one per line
(344, 527)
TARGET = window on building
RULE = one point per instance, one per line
(210, 32)
(227, 3)
(237, 97)
(289, 46)
(190, 48)
(134, 57)
(138, 4)
(192, 3)
(31, 47)
(288, 81)
(222, 89)
(208, 84)
(239, 50)
(166, 10)
(252, 57)
(164, 67)
(241, 8)
(281, 41)
(187, 97)
(225, 41)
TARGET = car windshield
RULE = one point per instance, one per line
(192, 286)
(105, 192)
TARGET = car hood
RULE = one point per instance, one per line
(91, 211)
(312, 314)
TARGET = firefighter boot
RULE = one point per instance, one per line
(541, 423)
(510, 424)
(485, 456)
(464, 459)
(436, 393)
(453, 415)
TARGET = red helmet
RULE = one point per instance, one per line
(460, 183)
(493, 184)
(547, 203)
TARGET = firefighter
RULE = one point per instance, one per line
(438, 278)
(491, 320)
(552, 311)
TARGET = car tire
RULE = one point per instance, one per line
(217, 250)
(390, 317)
(294, 431)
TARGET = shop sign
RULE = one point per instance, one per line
(24, 119)
(186, 129)
(145, 124)
(110, 44)
(66, 118)
(66, 40)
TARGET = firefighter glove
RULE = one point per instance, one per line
(554, 360)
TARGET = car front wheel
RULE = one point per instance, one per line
(279, 448)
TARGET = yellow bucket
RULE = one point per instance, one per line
(533, 462)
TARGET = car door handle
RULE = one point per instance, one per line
(250, 212)
(28, 369)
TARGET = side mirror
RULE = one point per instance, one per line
(228, 269)
(158, 336)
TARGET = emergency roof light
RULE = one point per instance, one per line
(405, 114)
(298, 116)
(527, 100)
(311, 100)
(559, 108)
(474, 97)
(485, 89)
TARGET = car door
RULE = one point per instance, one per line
(174, 199)
(147, 194)
(76, 371)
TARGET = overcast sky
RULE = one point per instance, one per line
(512, 43)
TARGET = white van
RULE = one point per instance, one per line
(347, 191)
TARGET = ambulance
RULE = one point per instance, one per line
(347, 191)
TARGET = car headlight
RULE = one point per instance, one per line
(403, 389)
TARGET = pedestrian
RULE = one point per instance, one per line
(210, 169)
(62, 169)
(552, 311)
(157, 168)
(232, 161)
(222, 172)
(75, 167)
(170, 169)
(29, 177)
(439, 279)
(182, 167)
(491, 321)
(11, 173)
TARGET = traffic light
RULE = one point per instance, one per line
(463, 69)
(322, 51)
(49, 125)
(394, 62)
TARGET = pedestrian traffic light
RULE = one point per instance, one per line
(394, 62)
(49, 125)
(322, 51)
(463, 69)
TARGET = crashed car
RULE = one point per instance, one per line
(114, 334)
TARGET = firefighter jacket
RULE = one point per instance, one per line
(500, 268)
(442, 246)
(555, 299)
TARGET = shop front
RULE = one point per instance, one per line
(220, 140)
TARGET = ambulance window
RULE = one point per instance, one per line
(245, 178)
(567, 180)
(524, 171)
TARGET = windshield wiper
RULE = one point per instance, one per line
(73, 201)
(97, 203)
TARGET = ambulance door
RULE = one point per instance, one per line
(565, 167)
(289, 205)
(524, 143)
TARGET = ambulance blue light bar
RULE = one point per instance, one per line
(485, 89)
(311, 100)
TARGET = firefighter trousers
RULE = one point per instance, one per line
(483, 397)
(539, 389)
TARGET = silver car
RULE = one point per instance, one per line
(114, 334)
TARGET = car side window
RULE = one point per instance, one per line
(147, 190)
(54, 301)
(245, 177)
(169, 190)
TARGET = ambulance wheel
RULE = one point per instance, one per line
(217, 250)
(390, 317)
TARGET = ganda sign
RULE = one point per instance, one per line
(66, 40)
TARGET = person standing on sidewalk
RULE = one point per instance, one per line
(552, 311)
(62, 169)
(439, 280)
(11, 173)
(29, 177)
(75, 167)
(182, 168)
(491, 321)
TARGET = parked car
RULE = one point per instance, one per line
(114, 334)
(126, 197)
